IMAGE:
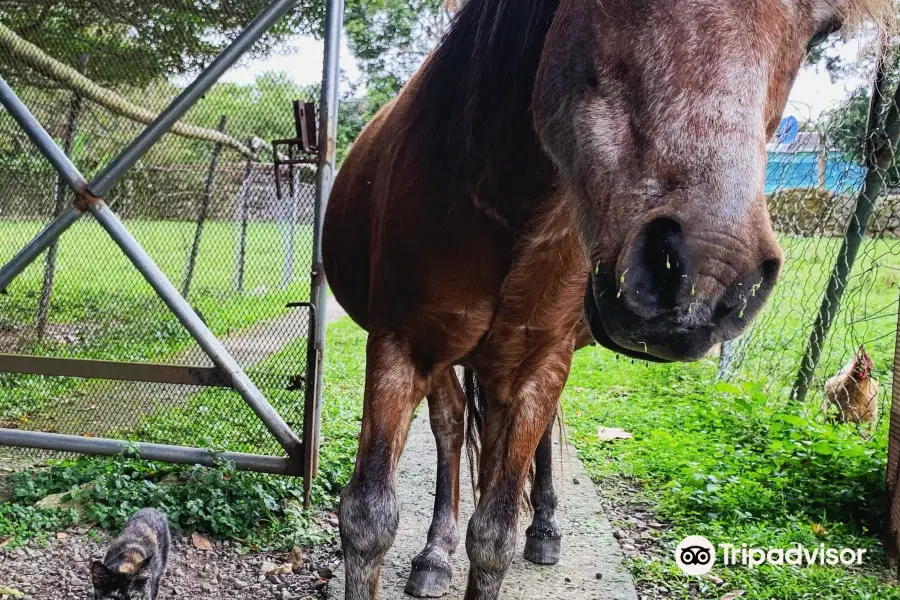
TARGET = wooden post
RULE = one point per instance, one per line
(243, 210)
(60, 192)
(823, 168)
(204, 211)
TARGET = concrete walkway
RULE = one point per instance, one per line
(591, 565)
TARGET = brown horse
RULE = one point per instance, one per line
(552, 155)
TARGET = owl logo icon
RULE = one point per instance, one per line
(695, 555)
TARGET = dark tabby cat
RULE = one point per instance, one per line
(136, 560)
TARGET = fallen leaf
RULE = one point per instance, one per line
(818, 529)
(733, 595)
(61, 535)
(88, 435)
(270, 568)
(607, 434)
(200, 542)
(714, 579)
(5, 542)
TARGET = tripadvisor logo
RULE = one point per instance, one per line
(696, 555)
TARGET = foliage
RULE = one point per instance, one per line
(356, 111)
(390, 38)
(134, 43)
(732, 464)
(19, 522)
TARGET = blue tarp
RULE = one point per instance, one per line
(789, 170)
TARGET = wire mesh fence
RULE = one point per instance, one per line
(833, 191)
(202, 202)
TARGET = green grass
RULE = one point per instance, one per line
(734, 465)
(742, 463)
(772, 350)
(258, 511)
(102, 308)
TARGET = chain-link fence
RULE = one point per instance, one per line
(833, 190)
(202, 202)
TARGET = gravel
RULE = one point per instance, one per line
(60, 570)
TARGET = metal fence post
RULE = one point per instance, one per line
(204, 210)
(881, 146)
(328, 112)
(243, 211)
(60, 189)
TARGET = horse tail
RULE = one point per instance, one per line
(476, 407)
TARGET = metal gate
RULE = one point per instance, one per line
(201, 374)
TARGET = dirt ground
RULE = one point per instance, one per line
(60, 570)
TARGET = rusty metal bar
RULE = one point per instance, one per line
(161, 452)
(118, 371)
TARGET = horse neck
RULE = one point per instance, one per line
(475, 95)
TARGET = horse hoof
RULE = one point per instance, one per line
(428, 583)
(543, 551)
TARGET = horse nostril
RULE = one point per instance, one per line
(655, 267)
(744, 298)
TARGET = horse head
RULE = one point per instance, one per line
(656, 114)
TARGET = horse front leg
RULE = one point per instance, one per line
(514, 425)
(432, 569)
(543, 540)
(369, 512)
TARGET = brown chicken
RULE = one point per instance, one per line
(853, 391)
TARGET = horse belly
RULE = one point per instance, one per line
(345, 246)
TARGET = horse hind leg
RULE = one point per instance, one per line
(432, 569)
(543, 539)
(369, 511)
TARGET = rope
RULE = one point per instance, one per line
(69, 77)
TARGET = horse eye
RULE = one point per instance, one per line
(831, 27)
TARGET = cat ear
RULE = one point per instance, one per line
(144, 564)
(100, 574)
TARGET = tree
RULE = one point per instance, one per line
(391, 38)
(141, 41)
(846, 127)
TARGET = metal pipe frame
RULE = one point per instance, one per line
(88, 198)
(160, 452)
(40, 137)
(327, 144)
(116, 371)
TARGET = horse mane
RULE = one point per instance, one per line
(880, 12)
(473, 97)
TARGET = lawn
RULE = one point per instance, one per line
(102, 308)
(771, 351)
(735, 461)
